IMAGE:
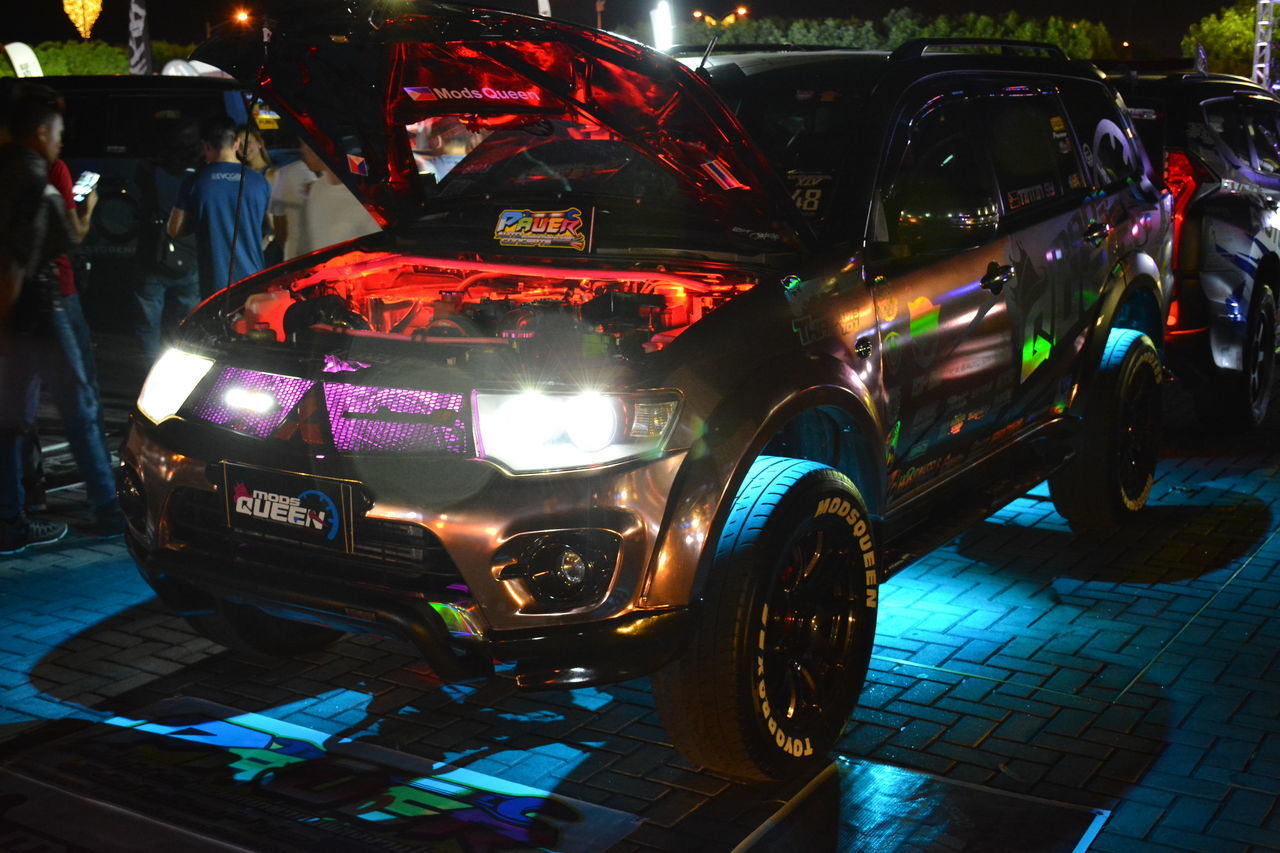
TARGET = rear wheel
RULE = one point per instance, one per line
(782, 645)
(1110, 476)
(247, 629)
(1251, 391)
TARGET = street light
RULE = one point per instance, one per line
(727, 20)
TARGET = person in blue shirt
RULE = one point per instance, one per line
(225, 205)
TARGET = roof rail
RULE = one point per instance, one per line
(774, 47)
(917, 48)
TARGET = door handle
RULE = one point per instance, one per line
(997, 277)
(1097, 232)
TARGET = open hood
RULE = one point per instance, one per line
(359, 82)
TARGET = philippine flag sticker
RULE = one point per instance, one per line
(420, 93)
(357, 165)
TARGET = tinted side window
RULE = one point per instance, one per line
(1261, 124)
(1031, 150)
(87, 119)
(134, 118)
(1225, 119)
(1105, 134)
(940, 196)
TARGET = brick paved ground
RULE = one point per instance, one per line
(1135, 673)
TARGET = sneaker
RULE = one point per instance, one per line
(108, 521)
(17, 533)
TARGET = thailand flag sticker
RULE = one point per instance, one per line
(720, 173)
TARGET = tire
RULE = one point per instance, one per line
(247, 629)
(781, 648)
(1241, 401)
(1110, 476)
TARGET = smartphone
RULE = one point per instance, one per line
(84, 185)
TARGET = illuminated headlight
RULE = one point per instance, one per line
(546, 432)
(171, 380)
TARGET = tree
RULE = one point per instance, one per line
(1080, 39)
(95, 57)
(1227, 38)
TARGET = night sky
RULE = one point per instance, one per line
(1154, 27)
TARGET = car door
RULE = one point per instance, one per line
(938, 270)
(1057, 246)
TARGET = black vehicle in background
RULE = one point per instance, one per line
(115, 124)
(1217, 139)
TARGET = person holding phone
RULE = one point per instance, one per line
(38, 344)
(79, 213)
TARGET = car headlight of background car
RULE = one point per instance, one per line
(172, 379)
(533, 431)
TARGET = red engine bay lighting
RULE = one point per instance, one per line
(434, 300)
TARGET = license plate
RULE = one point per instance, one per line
(309, 510)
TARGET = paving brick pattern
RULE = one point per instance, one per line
(1137, 673)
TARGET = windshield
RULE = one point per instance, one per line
(807, 119)
(539, 156)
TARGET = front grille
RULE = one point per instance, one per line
(386, 553)
(360, 418)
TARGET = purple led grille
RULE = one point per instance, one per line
(366, 418)
(286, 390)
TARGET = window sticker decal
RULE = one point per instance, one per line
(719, 172)
(357, 165)
(546, 229)
(484, 93)
(1030, 195)
(808, 191)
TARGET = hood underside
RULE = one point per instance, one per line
(382, 97)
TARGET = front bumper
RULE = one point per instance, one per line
(1209, 340)
(427, 573)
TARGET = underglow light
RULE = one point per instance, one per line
(258, 402)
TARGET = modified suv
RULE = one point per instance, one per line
(1217, 138)
(667, 371)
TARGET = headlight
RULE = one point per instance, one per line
(546, 432)
(172, 378)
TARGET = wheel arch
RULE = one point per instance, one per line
(832, 419)
(1131, 299)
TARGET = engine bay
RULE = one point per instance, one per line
(431, 301)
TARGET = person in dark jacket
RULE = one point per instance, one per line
(37, 342)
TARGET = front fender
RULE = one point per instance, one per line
(735, 434)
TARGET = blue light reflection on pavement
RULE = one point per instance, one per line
(52, 596)
(60, 599)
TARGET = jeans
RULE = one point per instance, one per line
(53, 358)
(32, 458)
(180, 294)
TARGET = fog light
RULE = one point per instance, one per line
(572, 569)
(557, 572)
(563, 568)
